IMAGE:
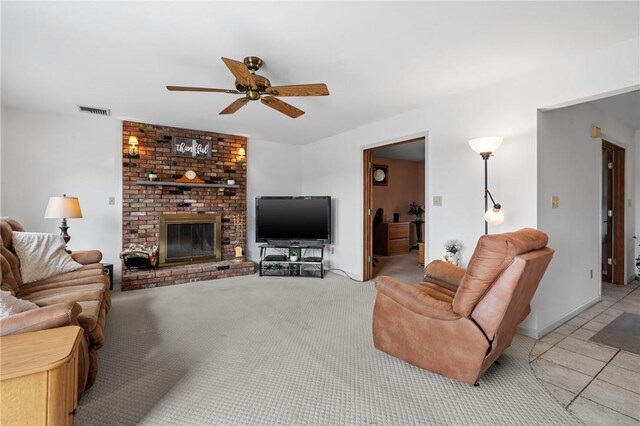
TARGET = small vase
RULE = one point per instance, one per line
(452, 258)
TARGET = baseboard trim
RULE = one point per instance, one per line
(541, 332)
(528, 331)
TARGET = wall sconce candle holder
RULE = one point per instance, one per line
(133, 147)
(240, 157)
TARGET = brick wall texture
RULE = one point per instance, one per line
(143, 205)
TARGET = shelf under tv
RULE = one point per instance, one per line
(291, 268)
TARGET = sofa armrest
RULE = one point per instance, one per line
(444, 274)
(87, 257)
(415, 299)
(52, 316)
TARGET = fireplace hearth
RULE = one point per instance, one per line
(190, 238)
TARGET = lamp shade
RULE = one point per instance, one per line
(494, 216)
(63, 207)
(241, 152)
(488, 144)
(133, 140)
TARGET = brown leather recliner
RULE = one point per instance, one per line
(79, 297)
(457, 322)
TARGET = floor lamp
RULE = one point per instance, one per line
(486, 147)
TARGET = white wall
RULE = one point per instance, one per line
(333, 166)
(570, 167)
(272, 169)
(47, 154)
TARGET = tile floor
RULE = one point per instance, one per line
(599, 384)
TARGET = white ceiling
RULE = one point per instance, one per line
(378, 59)
(625, 108)
(411, 151)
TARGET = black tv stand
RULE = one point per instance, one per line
(275, 259)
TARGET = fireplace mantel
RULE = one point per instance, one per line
(185, 184)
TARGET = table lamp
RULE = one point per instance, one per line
(62, 208)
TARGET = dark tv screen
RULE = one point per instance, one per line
(293, 218)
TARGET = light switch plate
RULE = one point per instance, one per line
(555, 202)
(437, 201)
(112, 201)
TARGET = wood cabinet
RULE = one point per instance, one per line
(39, 377)
(420, 254)
(392, 238)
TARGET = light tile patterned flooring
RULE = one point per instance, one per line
(599, 384)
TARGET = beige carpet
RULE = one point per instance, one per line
(291, 351)
(403, 267)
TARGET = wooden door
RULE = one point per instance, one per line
(612, 205)
(367, 270)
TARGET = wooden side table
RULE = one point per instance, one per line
(39, 377)
(420, 254)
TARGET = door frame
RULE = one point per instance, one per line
(619, 222)
(367, 209)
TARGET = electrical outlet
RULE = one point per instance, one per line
(555, 202)
(112, 201)
(437, 201)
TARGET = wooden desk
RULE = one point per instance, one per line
(39, 377)
(392, 238)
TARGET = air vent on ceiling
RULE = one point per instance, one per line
(93, 110)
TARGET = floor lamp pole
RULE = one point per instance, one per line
(485, 157)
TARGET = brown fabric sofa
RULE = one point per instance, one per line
(457, 322)
(79, 297)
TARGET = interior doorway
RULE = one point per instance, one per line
(613, 232)
(394, 203)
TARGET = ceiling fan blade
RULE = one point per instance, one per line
(236, 105)
(282, 107)
(319, 89)
(200, 89)
(240, 72)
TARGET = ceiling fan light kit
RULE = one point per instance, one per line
(256, 87)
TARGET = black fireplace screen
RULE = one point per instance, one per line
(190, 240)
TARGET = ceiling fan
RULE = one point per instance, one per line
(255, 87)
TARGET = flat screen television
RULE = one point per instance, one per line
(293, 219)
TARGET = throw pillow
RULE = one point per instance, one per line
(41, 255)
(9, 304)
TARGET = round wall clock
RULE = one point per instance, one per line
(380, 174)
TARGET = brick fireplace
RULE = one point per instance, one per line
(197, 219)
(190, 238)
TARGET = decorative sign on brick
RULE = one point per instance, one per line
(187, 147)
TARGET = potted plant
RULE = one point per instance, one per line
(151, 175)
(416, 209)
(231, 180)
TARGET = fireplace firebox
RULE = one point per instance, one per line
(190, 238)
